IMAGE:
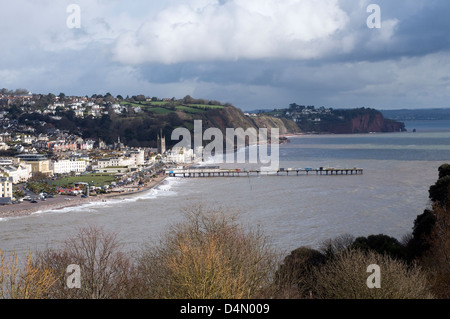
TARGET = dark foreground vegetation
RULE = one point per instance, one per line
(210, 255)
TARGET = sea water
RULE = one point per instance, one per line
(292, 211)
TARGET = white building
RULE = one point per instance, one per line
(133, 160)
(88, 145)
(137, 157)
(109, 162)
(180, 155)
(28, 139)
(117, 108)
(96, 110)
(75, 105)
(19, 173)
(79, 112)
(68, 166)
(6, 189)
(6, 161)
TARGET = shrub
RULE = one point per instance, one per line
(331, 247)
(439, 192)
(208, 256)
(436, 259)
(381, 244)
(444, 170)
(106, 272)
(345, 277)
(293, 278)
(418, 243)
(27, 281)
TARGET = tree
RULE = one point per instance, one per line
(6, 91)
(444, 170)
(345, 277)
(293, 106)
(19, 194)
(332, 247)
(430, 242)
(130, 134)
(436, 259)
(28, 280)
(106, 272)
(38, 177)
(21, 92)
(188, 99)
(418, 243)
(51, 98)
(381, 244)
(109, 98)
(174, 120)
(440, 190)
(208, 256)
(140, 98)
(293, 277)
(15, 112)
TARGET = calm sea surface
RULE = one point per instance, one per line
(293, 211)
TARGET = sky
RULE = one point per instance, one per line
(255, 54)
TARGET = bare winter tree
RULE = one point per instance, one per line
(106, 272)
(208, 256)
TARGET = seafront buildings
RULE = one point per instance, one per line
(67, 166)
(39, 158)
(31, 152)
(39, 163)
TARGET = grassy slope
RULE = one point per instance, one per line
(98, 179)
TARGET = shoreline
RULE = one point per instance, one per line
(65, 201)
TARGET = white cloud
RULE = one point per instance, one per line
(255, 53)
(384, 36)
(9, 77)
(236, 29)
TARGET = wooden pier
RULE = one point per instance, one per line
(220, 172)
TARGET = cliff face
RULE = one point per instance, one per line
(353, 121)
(231, 117)
(286, 126)
(377, 123)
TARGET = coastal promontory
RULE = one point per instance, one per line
(338, 121)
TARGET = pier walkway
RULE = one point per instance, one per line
(220, 172)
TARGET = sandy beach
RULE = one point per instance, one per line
(60, 201)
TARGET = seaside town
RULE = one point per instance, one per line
(56, 166)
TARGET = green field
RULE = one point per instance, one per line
(133, 104)
(98, 179)
(160, 107)
(206, 106)
(187, 109)
(157, 103)
(159, 110)
(145, 104)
